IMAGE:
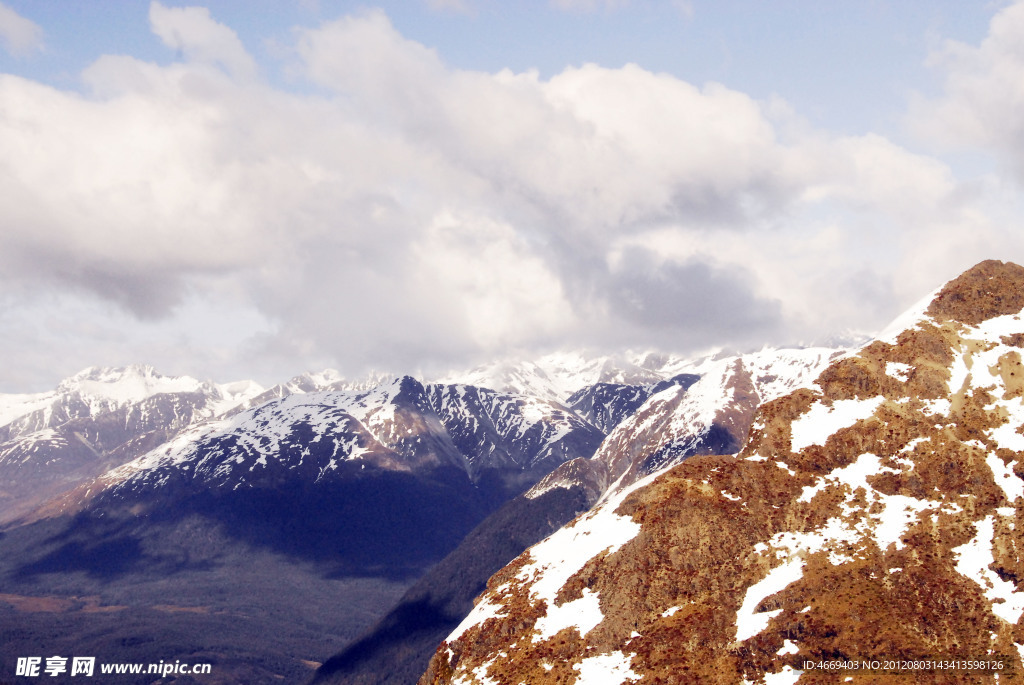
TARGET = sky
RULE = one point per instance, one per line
(255, 189)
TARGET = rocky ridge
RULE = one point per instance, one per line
(871, 515)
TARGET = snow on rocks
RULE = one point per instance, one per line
(748, 623)
(606, 669)
(567, 550)
(974, 559)
(584, 614)
(889, 481)
(822, 421)
(482, 612)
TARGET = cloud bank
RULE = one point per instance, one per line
(400, 213)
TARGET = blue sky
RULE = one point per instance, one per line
(848, 65)
(252, 189)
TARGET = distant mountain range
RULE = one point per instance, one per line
(96, 420)
(124, 481)
(102, 418)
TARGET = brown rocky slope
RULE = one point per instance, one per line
(871, 516)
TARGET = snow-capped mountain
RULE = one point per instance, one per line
(509, 441)
(556, 376)
(95, 420)
(508, 433)
(706, 409)
(605, 405)
(100, 390)
(313, 381)
(871, 515)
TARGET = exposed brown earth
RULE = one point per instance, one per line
(866, 546)
(60, 605)
(88, 605)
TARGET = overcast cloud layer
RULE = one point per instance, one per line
(401, 214)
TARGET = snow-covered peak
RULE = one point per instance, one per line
(125, 385)
(281, 432)
(326, 380)
(574, 370)
(99, 389)
(909, 319)
(313, 381)
(226, 396)
(518, 378)
(15, 405)
(554, 376)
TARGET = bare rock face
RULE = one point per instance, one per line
(872, 515)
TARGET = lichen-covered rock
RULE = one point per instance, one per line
(872, 516)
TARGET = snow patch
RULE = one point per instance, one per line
(854, 475)
(973, 561)
(484, 610)
(898, 370)
(887, 526)
(821, 422)
(1007, 437)
(606, 669)
(1006, 479)
(748, 623)
(788, 647)
(584, 614)
(567, 550)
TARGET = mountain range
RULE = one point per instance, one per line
(123, 485)
(573, 518)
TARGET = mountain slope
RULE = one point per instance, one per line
(96, 420)
(398, 648)
(503, 441)
(351, 494)
(366, 475)
(872, 515)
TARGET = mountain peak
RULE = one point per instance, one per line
(128, 383)
(107, 374)
(989, 289)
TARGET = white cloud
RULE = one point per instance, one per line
(983, 92)
(412, 213)
(20, 36)
(501, 292)
(193, 31)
